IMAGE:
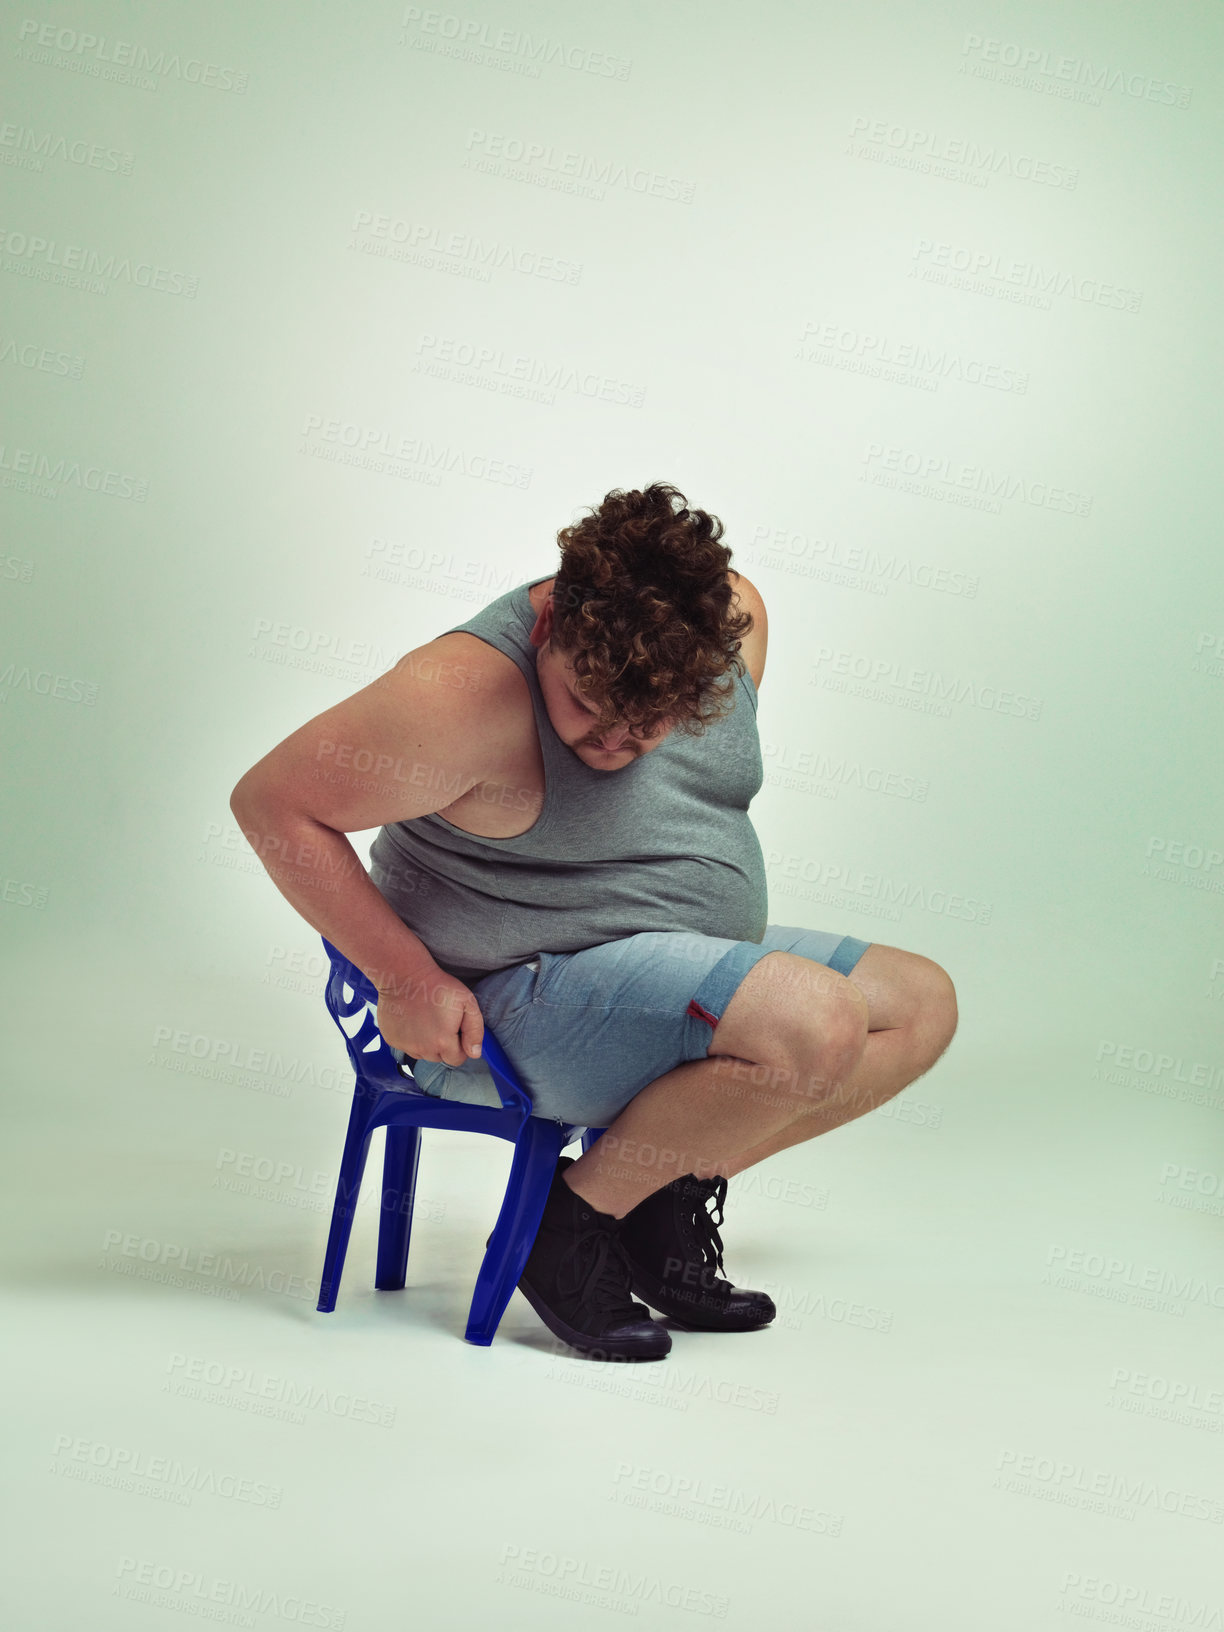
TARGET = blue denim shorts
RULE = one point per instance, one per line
(586, 1031)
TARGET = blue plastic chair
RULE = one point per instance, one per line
(384, 1096)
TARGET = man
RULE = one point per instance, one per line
(566, 853)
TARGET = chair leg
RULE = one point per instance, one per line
(403, 1152)
(535, 1161)
(348, 1188)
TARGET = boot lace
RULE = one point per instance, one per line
(704, 1224)
(596, 1269)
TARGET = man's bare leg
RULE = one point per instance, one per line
(792, 1028)
(912, 1009)
(808, 1064)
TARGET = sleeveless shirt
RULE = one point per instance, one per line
(663, 843)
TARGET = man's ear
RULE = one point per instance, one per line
(541, 630)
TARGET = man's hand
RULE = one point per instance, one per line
(432, 1018)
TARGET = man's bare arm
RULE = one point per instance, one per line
(408, 744)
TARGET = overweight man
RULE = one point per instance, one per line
(565, 853)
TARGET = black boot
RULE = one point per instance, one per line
(577, 1281)
(675, 1253)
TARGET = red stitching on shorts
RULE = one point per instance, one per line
(698, 1013)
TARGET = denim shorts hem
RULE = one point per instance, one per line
(721, 983)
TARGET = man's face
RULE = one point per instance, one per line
(575, 720)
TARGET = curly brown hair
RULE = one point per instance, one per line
(642, 609)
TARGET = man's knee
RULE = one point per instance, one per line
(796, 1016)
(935, 1009)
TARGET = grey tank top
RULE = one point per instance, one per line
(664, 843)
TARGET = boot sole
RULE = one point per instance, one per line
(647, 1347)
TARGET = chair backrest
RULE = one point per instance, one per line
(349, 990)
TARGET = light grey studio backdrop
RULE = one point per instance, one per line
(318, 322)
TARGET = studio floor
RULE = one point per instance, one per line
(991, 1396)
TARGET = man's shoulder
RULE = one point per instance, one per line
(489, 675)
(484, 661)
(747, 591)
(755, 643)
